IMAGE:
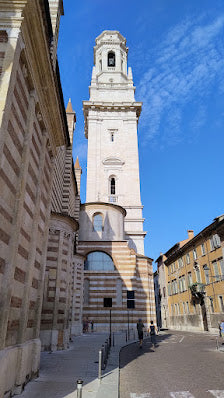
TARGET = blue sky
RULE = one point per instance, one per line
(176, 51)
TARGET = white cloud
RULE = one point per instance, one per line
(183, 69)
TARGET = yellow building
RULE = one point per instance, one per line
(195, 279)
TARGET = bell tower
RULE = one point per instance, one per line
(111, 120)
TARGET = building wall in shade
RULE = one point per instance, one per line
(37, 180)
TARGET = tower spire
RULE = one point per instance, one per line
(71, 119)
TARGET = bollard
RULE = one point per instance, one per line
(100, 365)
(126, 336)
(79, 388)
(113, 339)
(217, 343)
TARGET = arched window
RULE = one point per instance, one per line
(97, 222)
(99, 261)
(100, 63)
(111, 59)
(112, 186)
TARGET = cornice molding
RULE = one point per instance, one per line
(109, 106)
(11, 13)
(97, 205)
(39, 59)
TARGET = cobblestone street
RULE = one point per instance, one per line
(183, 365)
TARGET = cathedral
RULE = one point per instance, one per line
(62, 261)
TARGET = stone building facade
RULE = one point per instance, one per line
(40, 288)
(118, 277)
(195, 280)
(160, 287)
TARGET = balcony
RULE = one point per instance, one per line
(197, 289)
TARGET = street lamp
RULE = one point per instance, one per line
(108, 303)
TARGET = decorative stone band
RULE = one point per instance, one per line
(110, 106)
(97, 205)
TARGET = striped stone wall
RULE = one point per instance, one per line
(25, 179)
(131, 273)
(33, 177)
(77, 294)
(56, 312)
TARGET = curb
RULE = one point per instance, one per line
(109, 384)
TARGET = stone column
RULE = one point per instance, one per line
(32, 248)
(54, 333)
(43, 262)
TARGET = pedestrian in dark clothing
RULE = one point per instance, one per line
(153, 334)
(92, 326)
(140, 327)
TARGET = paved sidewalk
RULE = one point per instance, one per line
(60, 370)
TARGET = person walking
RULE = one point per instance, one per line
(153, 334)
(140, 327)
(92, 326)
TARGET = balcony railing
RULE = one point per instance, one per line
(197, 289)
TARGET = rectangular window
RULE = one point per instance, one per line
(198, 275)
(211, 304)
(176, 287)
(202, 249)
(212, 244)
(216, 240)
(184, 283)
(130, 299)
(195, 254)
(221, 303)
(180, 262)
(206, 272)
(222, 268)
(169, 291)
(188, 260)
(189, 278)
(216, 271)
(184, 310)
(180, 284)
(187, 305)
(107, 302)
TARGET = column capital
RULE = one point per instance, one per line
(11, 13)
